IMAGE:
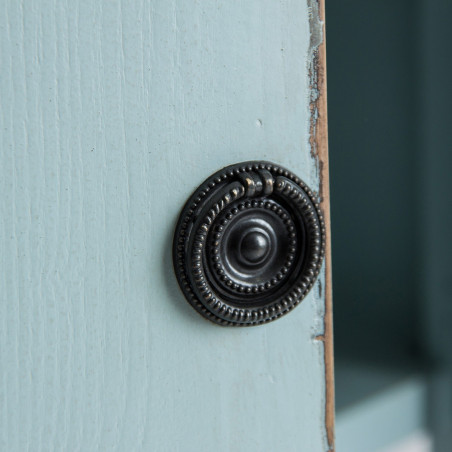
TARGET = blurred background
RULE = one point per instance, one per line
(390, 121)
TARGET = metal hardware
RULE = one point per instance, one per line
(249, 244)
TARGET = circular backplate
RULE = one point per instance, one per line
(249, 244)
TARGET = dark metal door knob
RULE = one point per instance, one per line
(249, 244)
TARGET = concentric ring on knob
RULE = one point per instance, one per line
(273, 222)
(249, 244)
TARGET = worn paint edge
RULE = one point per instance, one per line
(318, 139)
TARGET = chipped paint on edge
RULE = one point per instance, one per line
(315, 40)
(319, 151)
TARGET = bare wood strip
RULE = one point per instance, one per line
(319, 148)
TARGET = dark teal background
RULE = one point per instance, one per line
(390, 100)
(373, 133)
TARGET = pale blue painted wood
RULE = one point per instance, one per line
(111, 114)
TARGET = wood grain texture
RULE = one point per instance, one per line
(111, 114)
(319, 143)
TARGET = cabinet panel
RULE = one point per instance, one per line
(112, 114)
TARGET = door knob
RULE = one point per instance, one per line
(249, 244)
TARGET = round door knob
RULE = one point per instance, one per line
(249, 244)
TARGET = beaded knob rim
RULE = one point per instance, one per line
(197, 242)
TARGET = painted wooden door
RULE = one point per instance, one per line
(112, 113)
